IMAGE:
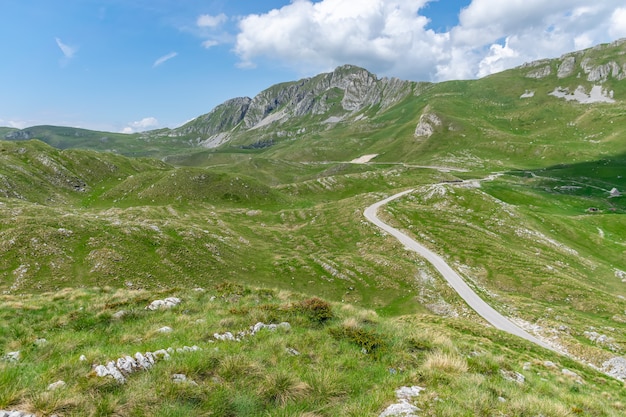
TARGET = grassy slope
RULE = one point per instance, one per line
(463, 367)
(285, 217)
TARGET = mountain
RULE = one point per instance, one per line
(326, 98)
(398, 120)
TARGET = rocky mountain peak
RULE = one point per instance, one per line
(347, 89)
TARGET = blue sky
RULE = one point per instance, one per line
(132, 65)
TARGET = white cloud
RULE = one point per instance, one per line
(373, 33)
(497, 60)
(146, 123)
(164, 58)
(618, 23)
(209, 43)
(209, 21)
(68, 51)
(17, 124)
(390, 37)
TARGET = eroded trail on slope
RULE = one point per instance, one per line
(452, 277)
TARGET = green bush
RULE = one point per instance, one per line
(315, 309)
(366, 339)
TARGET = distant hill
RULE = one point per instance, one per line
(540, 111)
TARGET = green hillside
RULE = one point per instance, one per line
(518, 181)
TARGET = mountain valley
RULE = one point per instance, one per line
(518, 180)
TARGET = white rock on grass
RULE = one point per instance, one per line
(513, 376)
(186, 349)
(12, 356)
(569, 373)
(400, 409)
(403, 408)
(228, 336)
(118, 315)
(126, 365)
(110, 370)
(15, 413)
(167, 303)
(292, 351)
(165, 329)
(182, 379)
(615, 367)
(406, 393)
(56, 385)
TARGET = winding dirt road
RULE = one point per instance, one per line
(456, 282)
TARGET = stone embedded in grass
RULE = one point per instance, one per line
(126, 365)
(400, 409)
(292, 351)
(615, 367)
(56, 385)
(185, 349)
(15, 413)
(512, 376)
(549, 364)
(570, 374)
(12, 356)
(406, 393)
(182, 379)
(403, 408)
(169, 302)
(228, 336)
(118, 315)
(40, 341)
(165, 329)
(110, 370)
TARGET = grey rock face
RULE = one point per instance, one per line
(19, 135)
(600, 73)
(222, 118)
(540, 72)
(426, 125)
(566, 68)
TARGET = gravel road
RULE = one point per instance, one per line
(456, 282)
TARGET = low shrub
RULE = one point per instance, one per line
(315, 309)
(366, 339)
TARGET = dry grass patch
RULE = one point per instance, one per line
(444, 362)
(282, 388)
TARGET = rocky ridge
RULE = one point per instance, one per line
(345, 91)
(583, 64)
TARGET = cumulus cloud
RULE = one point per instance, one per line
(146, 123)
(68, 51)
(498, 59)
(391, 37)
(164, 58)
